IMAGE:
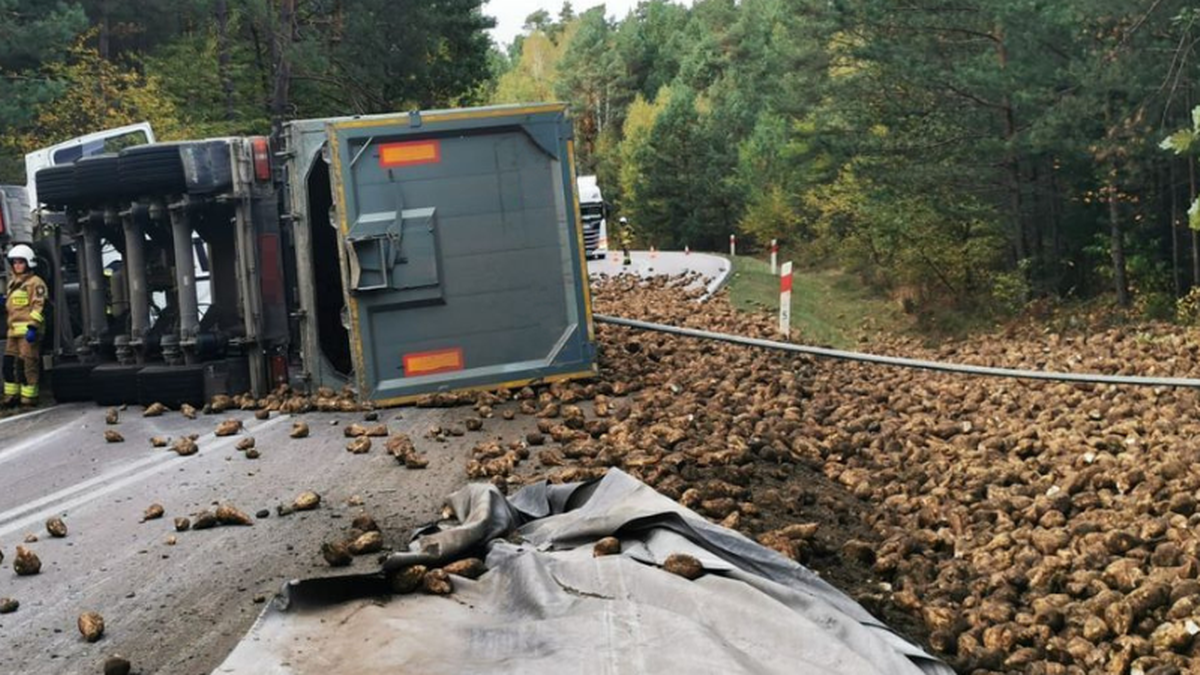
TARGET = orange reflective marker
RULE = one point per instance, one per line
(412, 153)
(429, 363)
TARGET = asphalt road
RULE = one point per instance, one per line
(180, 608)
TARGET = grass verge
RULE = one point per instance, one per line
(829, 307)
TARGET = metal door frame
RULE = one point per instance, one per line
(419, 120)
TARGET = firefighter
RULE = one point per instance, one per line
(626, 239)
(26, 300)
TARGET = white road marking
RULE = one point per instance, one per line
(10, 453)
(15, 520)
(27, 415)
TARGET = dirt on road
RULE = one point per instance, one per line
(176, 600)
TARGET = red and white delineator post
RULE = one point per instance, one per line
(774, 257)
(785, 299)
(732, 244)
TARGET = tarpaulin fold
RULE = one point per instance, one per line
(546, 605)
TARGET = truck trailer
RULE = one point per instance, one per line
(399, 254)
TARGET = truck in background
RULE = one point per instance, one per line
(16, 225)
(594, 213)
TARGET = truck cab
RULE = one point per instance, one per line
(594, 212)
(88, 145)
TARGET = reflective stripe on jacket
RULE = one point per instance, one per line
(25, 304)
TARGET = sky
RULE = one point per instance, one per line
(510, 14)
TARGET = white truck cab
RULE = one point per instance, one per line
(109, 140)
(593, 211)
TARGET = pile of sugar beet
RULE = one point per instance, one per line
(1009, 526)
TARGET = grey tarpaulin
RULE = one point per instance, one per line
(547, 606)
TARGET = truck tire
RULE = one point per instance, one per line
(154, 169)
(114, 384)
(71, 382)
(96, 178)
(56, 185)
(171, 386)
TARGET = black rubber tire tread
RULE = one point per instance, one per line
(171, 386)
(56, 185)
(96, 178)
(71, 382)
(114, 384)
(152, 169)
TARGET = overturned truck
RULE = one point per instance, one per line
(399, 254)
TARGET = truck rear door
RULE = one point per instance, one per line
(461, 250)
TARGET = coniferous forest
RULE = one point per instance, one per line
(980, 155)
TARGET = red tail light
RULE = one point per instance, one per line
(279, 369)
(269, 272)
(262, 158)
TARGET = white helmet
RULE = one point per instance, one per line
(24, 253)
(624, 220)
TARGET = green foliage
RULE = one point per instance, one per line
(591, 78)
(829, 307)
(632, 151)
(997, 153)
(189, 72)
(215, 67)
(32, 33)
(1187, 308)
(992, 154)
(96, 94)
(399, 55)
(1184, 142)
(1011, 290)
(531, 79)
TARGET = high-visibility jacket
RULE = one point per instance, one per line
(626, 235)
(26, 300)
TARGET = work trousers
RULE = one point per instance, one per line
(21, 363)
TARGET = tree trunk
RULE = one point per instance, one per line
(338, 24)
(1013, 159)
(1118, 248)
(1036, 234)
(224, 58)
(1171, 188)
(103, 38)
(281, 57)
(1056, 244)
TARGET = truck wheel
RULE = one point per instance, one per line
(114, 384)
(56, 185)
(152, 169)
(71, 382)
(171, 386)
(96, 178)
